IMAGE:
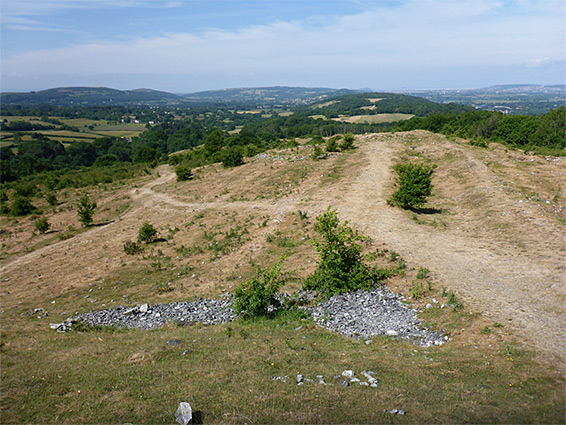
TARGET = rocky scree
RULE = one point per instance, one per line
(359, 314)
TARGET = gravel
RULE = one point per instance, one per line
(359, 314)
(365, 314)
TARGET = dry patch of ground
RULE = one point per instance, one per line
(497, 237)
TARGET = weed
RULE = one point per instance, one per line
(163, 287)
(485, 331)
(393, 256)
(132, 248)
(422, 273)
(416, 290)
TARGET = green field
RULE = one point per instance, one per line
(100, 128)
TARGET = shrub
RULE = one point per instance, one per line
(341, 267)
(86, 210)
(232, 157)
(253, 298)
(22, 206)
(51, 199)
(42, 225)
(132, 248)
(317, 153)
(348, 142)
(147, 233)
(331, 145)
(184, 173)
(414, 185)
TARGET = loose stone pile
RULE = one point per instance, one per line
(365, 314)
(143, 316)
(360, 314)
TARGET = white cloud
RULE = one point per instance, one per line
(410, 38)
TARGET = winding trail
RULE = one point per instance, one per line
(513, 287)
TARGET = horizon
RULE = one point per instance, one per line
(362, 90)
(193, 46)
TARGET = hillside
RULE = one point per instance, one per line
(88, 96)
(492, 232)
(380, 103)
(103, 96)
(267, 96)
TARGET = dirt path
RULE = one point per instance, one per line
(522, 289)
(510, 286)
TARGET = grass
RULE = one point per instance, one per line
(117, 376)
(103, 376)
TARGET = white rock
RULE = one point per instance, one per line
(184, 414)
(144, 308)
(392, 333)
(348, 374)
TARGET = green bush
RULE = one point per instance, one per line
(51, 199)
(414, 185)
(331, 145)
(147, 233)
(86, 210)
(252, 298)
(42, 225)
(348, 142)
(341, 267)
(22, 206)
(184, 173)
(232, 157)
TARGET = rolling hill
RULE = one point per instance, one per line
(88, 96)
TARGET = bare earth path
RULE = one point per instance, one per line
(517, 288)
(512, 287)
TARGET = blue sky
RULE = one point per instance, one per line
(187, 46)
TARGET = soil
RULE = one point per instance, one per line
(494, 231)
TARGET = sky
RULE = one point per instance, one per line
(187, 46)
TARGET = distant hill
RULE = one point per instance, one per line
(88, 96)
(380, 103)
(103, 96)
(268, 96)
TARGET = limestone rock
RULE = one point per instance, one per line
(184, 414)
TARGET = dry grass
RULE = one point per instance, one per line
(219, 227)
(373, 119)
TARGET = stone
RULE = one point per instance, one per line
(428, 306)
(184, 414)
(363, 383)
(368, 341)
(144, 308)
(354, 380)
(374, 385)
(343, 382)
(173, 342)
(348, 374)
(299, 378)
(320, 379)
(392, 333)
